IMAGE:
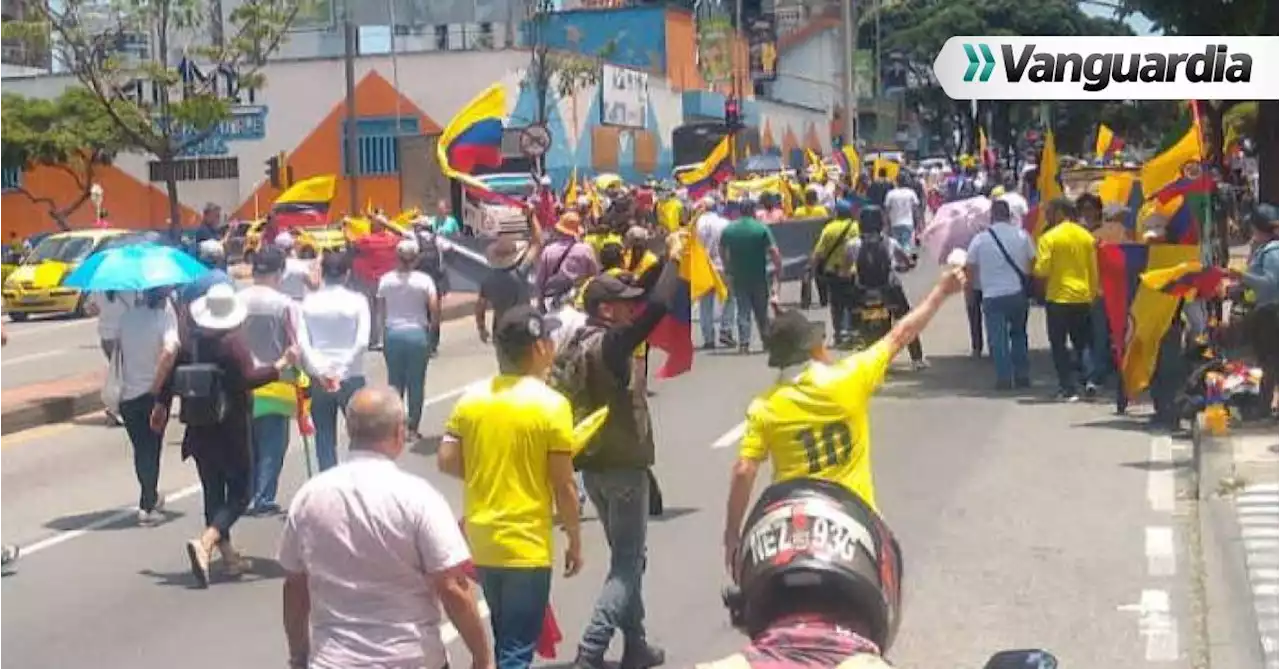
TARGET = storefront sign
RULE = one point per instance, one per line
(248, 123)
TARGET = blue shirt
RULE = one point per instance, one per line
(1263, 275)
(196, 289)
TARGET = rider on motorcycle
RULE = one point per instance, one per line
(875, 259)
(818, 577)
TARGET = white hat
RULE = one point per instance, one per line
(210, 248)
(283, 241)
(407, 247)
(219, 309)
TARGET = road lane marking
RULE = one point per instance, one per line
(40, 355)
(1161, 558)
(128, 512)
(21, 331)
(1160, 482)
(730, 438)
(42, 431)
(1156, 625)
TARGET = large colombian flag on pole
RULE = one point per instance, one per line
(1138, 315)
(1177, 186)
(1048, 186)
(674, 334)
(305, 203)
(715, 169)
(474, 139)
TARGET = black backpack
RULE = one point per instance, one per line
(569, 372)
(202, 388)
(873, 264)
(430, 257)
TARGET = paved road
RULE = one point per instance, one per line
(1024, 524)
(48, 349)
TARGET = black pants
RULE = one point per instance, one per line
(226, 492)
(899, 306)
(840, 298)
(1263, 333)
(136, 415)
(973, 310)
(1070, 322)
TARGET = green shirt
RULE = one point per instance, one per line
(745, 243)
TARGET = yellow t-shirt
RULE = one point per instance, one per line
(670, 213)
(598, 240)
(1067, 258)
(833, 233)
(817, 425)
(507, 428)
(805, 211)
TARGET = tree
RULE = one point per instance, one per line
(564, 74)
(1238, 17)
(162, 107)
(914, 31)
(69, 133)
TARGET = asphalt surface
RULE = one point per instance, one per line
(49, 348)
(1022, 523)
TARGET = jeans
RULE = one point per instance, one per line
(1262, 331)
(896, 299)
(226, 492)
(1104, 362)
(842, 296)
(270, 442)
(621, 498)
(1006, 320)
(136, 415)
(1070, 322)
(973, 310)
(406, 351)
(752, 302)
(904, 235)
(517, 600)
(324, 414)
(707, 316)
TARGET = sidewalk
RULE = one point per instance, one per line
(38, 404)
(1240, 530)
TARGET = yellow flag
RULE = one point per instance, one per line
(571, 192)
(1150, 315)
(1166, 167)
(890, 168)
(701, 274)
(1103, 143)
(1047, 186)
(309, 191)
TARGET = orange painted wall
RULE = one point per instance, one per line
(129, 203)
(321, 152)
(682, 54)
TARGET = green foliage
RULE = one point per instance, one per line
(564, 74)
(1206, 17)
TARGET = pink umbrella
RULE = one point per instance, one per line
(954, 225)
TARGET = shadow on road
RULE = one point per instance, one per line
(260, 569)
(427, 445)
(964, 376)
(98, 520)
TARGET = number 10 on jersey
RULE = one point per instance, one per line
(831, 446)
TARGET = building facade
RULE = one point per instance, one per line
(300, 110)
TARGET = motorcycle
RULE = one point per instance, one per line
(873, 317)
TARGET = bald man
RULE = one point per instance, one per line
(372, 555)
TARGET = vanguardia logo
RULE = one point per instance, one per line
(988, 62)
(1085, 67)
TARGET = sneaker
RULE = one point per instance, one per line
(233, 563)
(727, 340)
(744, 348)
(917, 365)
(1090, 390)
(643, 657)
(1066, 396)
(199, 559)
(9, 555)
(113, 418)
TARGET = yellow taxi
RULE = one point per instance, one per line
(35, 286)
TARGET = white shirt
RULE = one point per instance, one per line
(567, 321)
(708, 228)
(266, 329)
(901, 203)
(293, 280)
(995, 275)
(110, 311)
(369, 536)
(144, 335)
(405, 296)
(334, 332)
(1018, 207)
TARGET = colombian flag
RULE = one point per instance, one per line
(815, 161)
(849, 162)
(474, 139)
(306, 203)
(674, 333)
(1048, 186)
(1137, 314)
(1176, 179)
(1186, 280)
(1107, 145)
(715, 169)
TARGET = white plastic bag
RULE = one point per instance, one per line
(113, 386)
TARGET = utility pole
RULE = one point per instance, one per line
(849, 16)
(350, 45)
(738, 85)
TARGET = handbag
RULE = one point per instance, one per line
(1028, 288)
(113, 385)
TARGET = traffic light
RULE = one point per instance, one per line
(732, 115)
(273, 171)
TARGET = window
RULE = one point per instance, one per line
(196, 169)
(377, 145)
(10, 177)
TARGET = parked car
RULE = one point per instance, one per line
(35, 286)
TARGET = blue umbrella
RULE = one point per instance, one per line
(135, 267)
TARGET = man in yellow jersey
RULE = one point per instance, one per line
(811, 207)
(815, 423)
(510, 441)
(830, 267)
(1067, 261)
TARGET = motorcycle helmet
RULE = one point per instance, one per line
(871, 219)
(811, 546)
(844, 209)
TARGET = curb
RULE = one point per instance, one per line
(66, 405)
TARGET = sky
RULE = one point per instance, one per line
(1139, 23)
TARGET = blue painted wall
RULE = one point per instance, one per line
(638, 35)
